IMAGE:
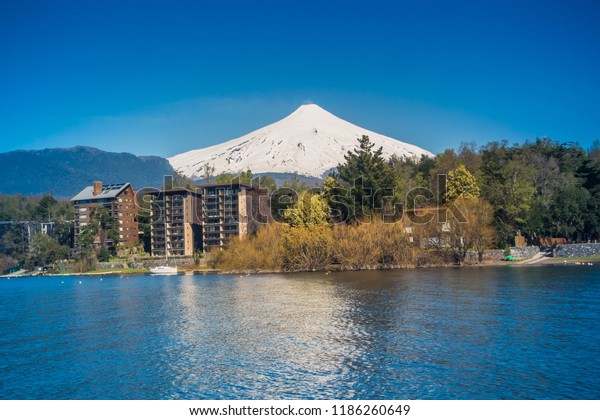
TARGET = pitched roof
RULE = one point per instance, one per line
(108, 191)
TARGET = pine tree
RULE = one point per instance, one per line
(369, 177)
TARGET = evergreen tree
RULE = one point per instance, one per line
(370, 179)
(43, 212)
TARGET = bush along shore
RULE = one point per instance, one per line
(375, 246)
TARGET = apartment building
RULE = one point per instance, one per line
(207, 218)
(175, 222)
(118, 199)
(231, 210)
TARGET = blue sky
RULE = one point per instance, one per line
(165, 77)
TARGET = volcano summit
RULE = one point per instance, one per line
(310, 142)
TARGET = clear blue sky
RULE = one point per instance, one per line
(161, 78)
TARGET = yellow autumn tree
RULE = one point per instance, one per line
(308, 241)
(472, 229)
(309, 210)
(461, 183)
(263, 251)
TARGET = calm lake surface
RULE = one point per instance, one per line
(476, 333)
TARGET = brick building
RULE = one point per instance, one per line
(118, 199)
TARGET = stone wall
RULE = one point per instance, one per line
(488, 255)
(524, 252)
(110, 265)
(155, 262)
(576, 250)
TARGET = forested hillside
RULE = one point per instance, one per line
(65, 172)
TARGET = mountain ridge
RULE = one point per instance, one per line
(65, 171)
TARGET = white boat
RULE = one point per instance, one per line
(163, 269)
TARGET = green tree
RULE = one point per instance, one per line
(295, 184)
(264, 181)
(592, 216)
(444, 163)
(43, 212)
(144, 224)
(369, 178)
(594, 152)
(103, 254)
(85, 256)
(507, 184)
(225, 178)
(15, 241)
(45, 250)
(64, 232)
(108, 228)
(567, 212)
(246, 177)
(469, 156)
(337, 198)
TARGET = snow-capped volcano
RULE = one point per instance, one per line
(310, 141)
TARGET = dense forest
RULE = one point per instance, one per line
(64, 172)
(540, 189)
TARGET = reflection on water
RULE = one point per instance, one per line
(467, 333)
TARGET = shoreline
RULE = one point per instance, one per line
(112, 273)
(530, 262)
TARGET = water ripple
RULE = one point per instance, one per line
(475, 333)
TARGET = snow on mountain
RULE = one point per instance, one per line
(310, 141)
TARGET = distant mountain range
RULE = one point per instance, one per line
(310, 142)
(307, 144)
(65, 172)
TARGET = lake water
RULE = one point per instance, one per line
(474, 333)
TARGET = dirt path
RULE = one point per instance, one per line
(536, 259)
